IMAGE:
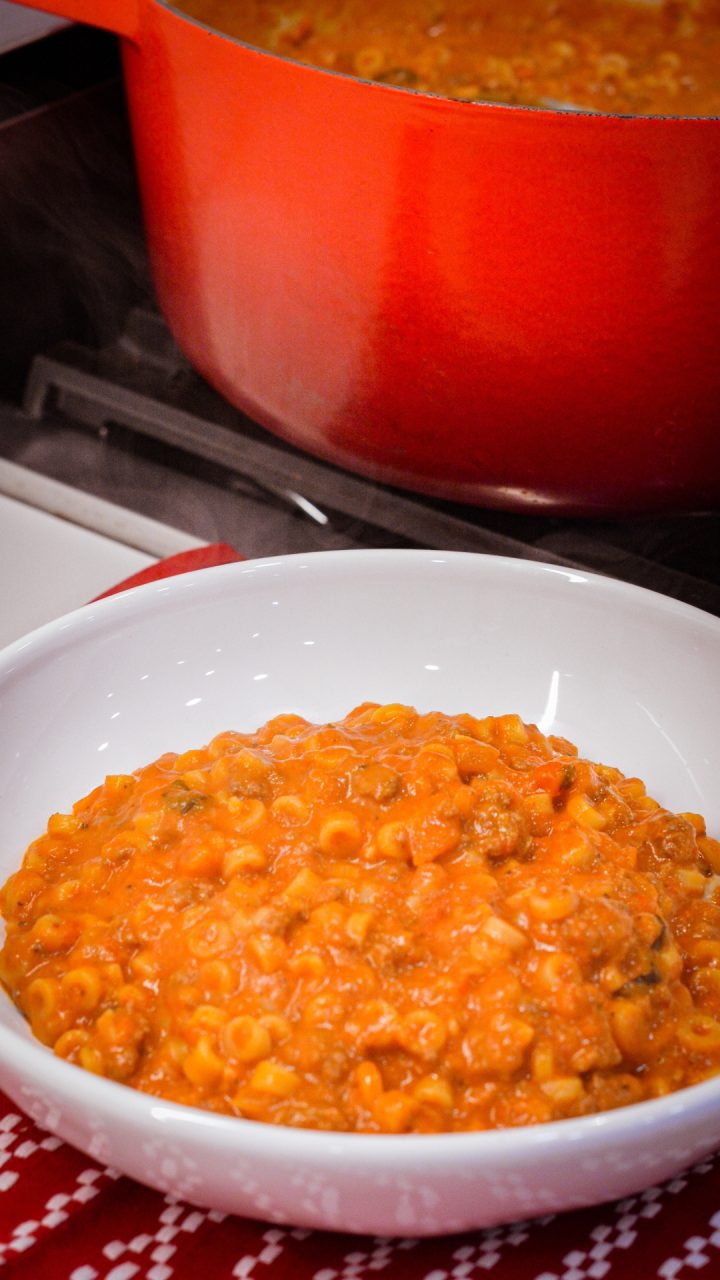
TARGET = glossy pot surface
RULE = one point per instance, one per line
(499, 305)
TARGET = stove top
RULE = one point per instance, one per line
(95, 394)
(56, 565)
(131, 422)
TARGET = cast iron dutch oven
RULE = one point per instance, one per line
(506, 306)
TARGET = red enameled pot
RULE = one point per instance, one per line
(506, 306)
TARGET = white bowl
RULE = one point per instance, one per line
(633, 678)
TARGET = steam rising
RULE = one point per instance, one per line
(72, 258)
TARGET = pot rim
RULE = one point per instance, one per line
(583, 113)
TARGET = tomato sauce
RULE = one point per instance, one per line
(602, 55)
(396, 923)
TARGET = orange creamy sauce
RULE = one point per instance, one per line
(396, 923)
(648, 57)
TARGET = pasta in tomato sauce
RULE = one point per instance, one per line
(657, 57)
(399, 922)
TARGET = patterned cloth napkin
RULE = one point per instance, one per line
(63, 1217)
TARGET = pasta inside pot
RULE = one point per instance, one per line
(657, 57)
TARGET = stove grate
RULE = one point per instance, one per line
(139, 393)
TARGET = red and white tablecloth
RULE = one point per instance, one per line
(63, 1217)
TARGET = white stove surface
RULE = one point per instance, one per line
(50, 566)
(61, 548)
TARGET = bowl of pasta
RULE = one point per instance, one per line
(360, 870)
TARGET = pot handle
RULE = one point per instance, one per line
(120, 16)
